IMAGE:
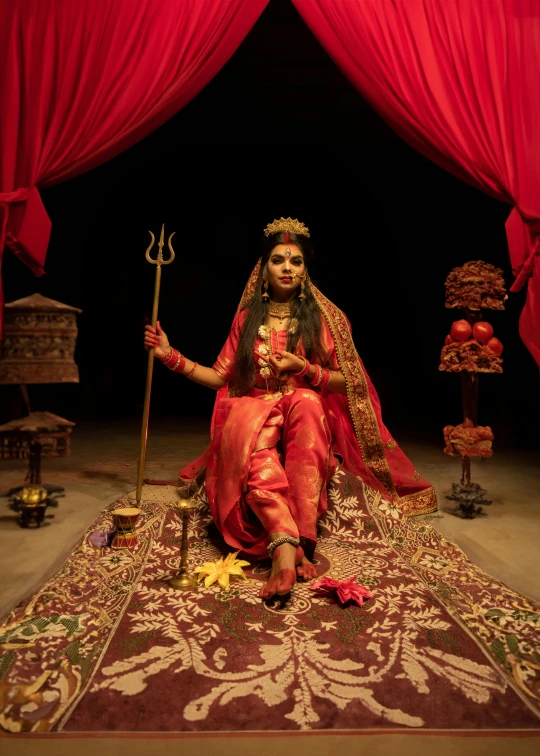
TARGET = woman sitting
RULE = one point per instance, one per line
(292, 395)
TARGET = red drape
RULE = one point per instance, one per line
(80, 81)
(459, 80)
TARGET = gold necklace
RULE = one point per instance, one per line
(280, 310)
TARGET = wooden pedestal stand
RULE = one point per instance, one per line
(39, 434)
(471, 288)
(469, 399)
(470, 496)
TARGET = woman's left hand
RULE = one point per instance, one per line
(284, 362)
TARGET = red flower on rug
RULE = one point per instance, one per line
(346, 590)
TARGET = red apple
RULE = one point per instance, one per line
(448, 340)
(495, 346)
(461, 330)
(482, 331)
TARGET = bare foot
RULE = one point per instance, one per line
(306, 569)
(283, 575)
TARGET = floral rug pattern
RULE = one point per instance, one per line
(107, 645)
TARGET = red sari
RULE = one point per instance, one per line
(270, 457)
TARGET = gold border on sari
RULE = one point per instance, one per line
(418, 503)
(363, 416)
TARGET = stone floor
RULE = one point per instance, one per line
(103, 466)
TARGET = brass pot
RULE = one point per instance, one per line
(32, 495)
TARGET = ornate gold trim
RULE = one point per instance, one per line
(361, 410)
(250, 286)
(419, 503)
(218, 368)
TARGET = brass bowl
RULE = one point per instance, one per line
(32, 495)
(184, 505)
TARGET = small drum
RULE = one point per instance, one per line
(125, 520)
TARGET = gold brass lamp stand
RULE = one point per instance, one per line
(158, 262)
(184, 581)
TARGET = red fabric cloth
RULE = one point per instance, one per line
(245, 473)
(460, 82)
(82, 81)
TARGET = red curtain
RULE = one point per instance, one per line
(459, 80)
(82, 81)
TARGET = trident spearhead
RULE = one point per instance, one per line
(159, 259)
(160, 244)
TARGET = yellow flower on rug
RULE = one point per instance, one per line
(222, 570)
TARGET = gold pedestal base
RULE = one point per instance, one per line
(183, 581)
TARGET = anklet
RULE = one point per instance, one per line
(280, 541)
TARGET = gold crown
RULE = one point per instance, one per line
(293, 226)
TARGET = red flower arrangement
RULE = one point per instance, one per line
(346, 590)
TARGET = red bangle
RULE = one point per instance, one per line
(317, 378)
(193, 369)
(304, 370)
(326, 379)
(180, 364)
(170, 357)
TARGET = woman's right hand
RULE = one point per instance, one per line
(156, 339)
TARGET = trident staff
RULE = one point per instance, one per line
(158, 262)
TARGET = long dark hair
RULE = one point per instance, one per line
(305, 311)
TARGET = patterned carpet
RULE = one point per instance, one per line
(107, 646)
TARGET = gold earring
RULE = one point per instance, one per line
(302, 294)
(265, 296)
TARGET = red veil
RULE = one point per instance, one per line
(360, 437)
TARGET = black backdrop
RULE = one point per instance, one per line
(279, 131)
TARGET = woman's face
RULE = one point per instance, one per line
(286, 269)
